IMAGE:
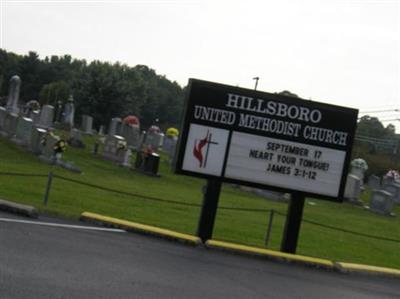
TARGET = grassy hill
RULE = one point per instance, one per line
(70, 199)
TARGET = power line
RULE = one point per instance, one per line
(393, 119)
(380, 111)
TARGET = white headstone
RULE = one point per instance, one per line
(132, 135)
(353, 187)
(169, 146)
(101, 130)
(36, 140)
(154, 139)
(359, 172)
(46, 117)
(10, 124)
(48, 150)
(13, 95)
(394, 189)
(115, 126)
(87, 123)
(24, 130)
(75, 134)
(115, 149)
(35, 116)
(381, 202)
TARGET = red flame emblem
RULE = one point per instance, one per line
(198, 149)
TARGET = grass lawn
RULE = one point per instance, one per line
(69, 199)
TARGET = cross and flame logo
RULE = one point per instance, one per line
(199, 147)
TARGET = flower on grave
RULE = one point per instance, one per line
(360, 163)
(154, 129)
(121, 145)
(393, 174)
(131, 120)
(148, 151)
(43, 140)
(60, 146)
(172, 132)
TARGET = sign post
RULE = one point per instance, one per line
(293, 223)
(209, 209)
(264, 140)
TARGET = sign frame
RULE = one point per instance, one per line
(212, 92)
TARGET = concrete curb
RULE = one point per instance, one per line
(271, 254)
(241, 249)
(366, 269)
(19, 209)
(305, 260)
(141, 228)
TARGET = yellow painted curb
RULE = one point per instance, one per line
(271, 254)
(349, 267)
(128, 225)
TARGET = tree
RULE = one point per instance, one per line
(54, 92)
(100, 89)
(390, 130)
(29, 69)
(370, 126)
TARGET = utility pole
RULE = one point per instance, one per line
(256, 78)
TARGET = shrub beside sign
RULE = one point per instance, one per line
(266, 140)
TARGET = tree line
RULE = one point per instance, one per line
(101, 89)
(104, 90)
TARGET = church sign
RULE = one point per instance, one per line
(266, 140)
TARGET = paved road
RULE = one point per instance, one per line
(39, 261)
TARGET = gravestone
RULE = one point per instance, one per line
(3, 114)
(374, 182)
(58, 112)
(48, 148)
(87, 123)
(102, 129)
(127, 158)
(131, 133)
(115, 149)
(169, 146)
(46, 117)
(264, 193)
(147, 163)
(389, 180)
(154, 139)
(30, 106)
(394, 189)
(161, 141)
(358, 168)
(359, 172)
(10, 124)
(115, 126)
(75, 138)
(353, 187)
(142, 140)
(13, 95)
(69, 113)
(37, 137)
(381, 202)
(35, 116)
(273, 195)
(24, 131)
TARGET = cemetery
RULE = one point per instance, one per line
(116, 154)
(32, 127)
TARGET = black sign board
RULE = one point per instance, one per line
(265, 140)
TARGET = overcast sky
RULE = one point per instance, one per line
(334, 51)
